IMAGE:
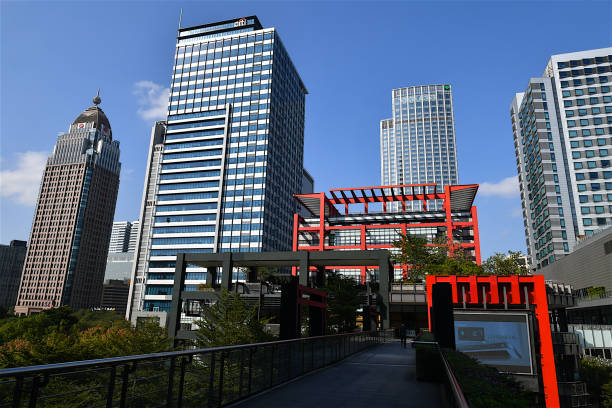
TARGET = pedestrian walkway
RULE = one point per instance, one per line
(383, 376)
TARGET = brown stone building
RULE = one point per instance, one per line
(73, 219)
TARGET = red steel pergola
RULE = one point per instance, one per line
(456, 199)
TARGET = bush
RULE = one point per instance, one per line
(485, 387)
(597, 374)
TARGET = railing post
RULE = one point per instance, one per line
(290, 345)
(312, 366)
(184, 362)
(211, 380)
(17, 392)
(324, 351)
(111, 387)
(240, 381)
(125, 376)
(250, 368)
(272, 366)
(34, 392)
(302, 343)
(170, 382)
(221, 369)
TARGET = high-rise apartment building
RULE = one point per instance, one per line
(73, 219)
(123, 236)
(224, 166)
(417, 145)
(12, 257)
(562, 127)
(120, 236)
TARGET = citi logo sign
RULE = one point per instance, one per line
(240, 23)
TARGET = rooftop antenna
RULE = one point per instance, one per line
(96, 99)
(180, 18)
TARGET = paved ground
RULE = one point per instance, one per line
(384, 376)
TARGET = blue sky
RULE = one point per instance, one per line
(350, 55)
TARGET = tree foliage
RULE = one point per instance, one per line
(59, 335)
(344, 297)
(230, 321)
(502, 265)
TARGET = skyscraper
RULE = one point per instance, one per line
(417, 145)
(562, 127)
(223, 168)
(73, 219)
(12, 257)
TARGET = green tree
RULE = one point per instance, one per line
(344, 297)
(502, 265)
(230, 321)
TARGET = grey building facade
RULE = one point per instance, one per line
(12, 257)
(224, 166)
(562, 127)
(417, 145)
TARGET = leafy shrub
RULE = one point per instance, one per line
(485, 387)
(596, 372)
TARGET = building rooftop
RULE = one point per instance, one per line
(96, 115)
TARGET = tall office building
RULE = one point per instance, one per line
(417, 145)
(223, 168)
(562, 125)
(133, 237)
(12, 257)
(73, 219)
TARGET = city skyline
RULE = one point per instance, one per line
(333, 161)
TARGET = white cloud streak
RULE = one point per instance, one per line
(21, 184)
(506, 188)
(152, 100)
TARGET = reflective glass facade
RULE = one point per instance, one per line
(417, 145)
(231, 155)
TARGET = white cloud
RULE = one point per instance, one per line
(21, 184)
(152, 100)
(507, 187)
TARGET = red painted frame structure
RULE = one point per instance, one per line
(319, 205)
(518, 290)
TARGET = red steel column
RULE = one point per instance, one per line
(322, 223)
(363, 247)
(449, 220)
(296, 222)
(547, 360)
(474, 215)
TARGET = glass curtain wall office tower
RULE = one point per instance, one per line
(72, 224)
(562, 126)
(224, 166)
(417, 145)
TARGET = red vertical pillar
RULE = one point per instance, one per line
(362, 246)
(429, 282)
(296, 226)
(547, 359)
(474, 214)
(322, 223)
(404, 267)
(449, 220)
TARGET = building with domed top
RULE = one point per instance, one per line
(73, 219)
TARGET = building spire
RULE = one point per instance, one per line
(97, 99)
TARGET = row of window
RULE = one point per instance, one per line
(187, 145)
(245, 203)
(186, 218)
(211, 122)
(187, 229)
(587, 81)
(594, 175)
(584, 61)
(184, 186)
(188, 196)
(193, 164)
(583, 101)
(594, 111)
(591, 164)
(182, 240)
(204, 104)
(585, 71)
(201, 133)
(198, 114)
(186, 155)
(597, 198)
(589, 132)
(174, 251)
(185, 207)
(210, 65)
(580, 92)
(594, 186)
(194, 174)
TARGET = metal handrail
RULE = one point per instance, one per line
(460, 399)
(59, 367)
(223, 375)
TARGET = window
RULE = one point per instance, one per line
(571, 123)
(567, 104)
(584, 122)
(573, 133)
(564, 84)
(567, 93)
(575, 155)
(590, 153)
(580, 176)
(600, 142)
(586, 132)
(588, 143)
(581, 187)
(595, 186)
(583, 199)
(582, 112)
(593, 175)
(597, 198)
(587, 221)
(577, 165)
(593, 100)
(585, 210)
(579, 92)
(569, 113)
(580, 102)
(599, 209)
(592, 90)
(574, 144)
